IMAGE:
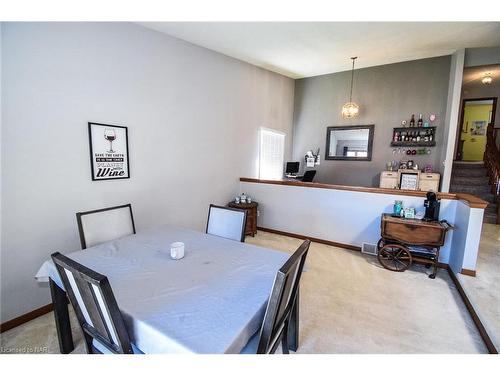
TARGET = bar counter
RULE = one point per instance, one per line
(349, 216)
(471, 200)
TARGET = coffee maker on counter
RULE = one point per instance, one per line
(431, 205)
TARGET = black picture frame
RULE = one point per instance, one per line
(371, 131)
(413, 175)
(91, 151)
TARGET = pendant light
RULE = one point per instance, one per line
(487, 79)
(350, 109)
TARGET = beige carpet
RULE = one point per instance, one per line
(349, 304)
(484, 290)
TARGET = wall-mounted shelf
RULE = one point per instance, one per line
(414, 128)
(414, 136)
(413, 144)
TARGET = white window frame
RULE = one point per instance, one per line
(278, 173)
(357, 154)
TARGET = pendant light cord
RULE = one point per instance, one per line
(352, 77)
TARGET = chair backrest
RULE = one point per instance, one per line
(282, 300)
(308, 176)
(95, 306)
(226, 222)
(105, 224)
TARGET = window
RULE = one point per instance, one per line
(271, 154)
(357, 154)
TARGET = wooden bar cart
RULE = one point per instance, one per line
(406, 240)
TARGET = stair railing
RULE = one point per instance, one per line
(492, 164)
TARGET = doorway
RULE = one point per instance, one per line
(477, 114)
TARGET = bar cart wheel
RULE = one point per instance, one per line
(395, 257)
(380, 245)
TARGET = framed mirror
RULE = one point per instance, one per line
(349, 142)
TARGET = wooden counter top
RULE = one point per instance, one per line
(471, 200)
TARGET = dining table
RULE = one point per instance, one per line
(213, 300)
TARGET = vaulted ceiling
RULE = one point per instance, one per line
(304, 49)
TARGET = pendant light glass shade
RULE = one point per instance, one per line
(487, 79)
(350, 109)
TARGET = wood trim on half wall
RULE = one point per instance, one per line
(469, 199)
(26, 317)
(330, 243)
(302, 237)
(467, 272)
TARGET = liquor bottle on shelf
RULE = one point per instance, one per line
(412, 121)
(431, 137)
(420, 121)
(418, 137)
(396, 136)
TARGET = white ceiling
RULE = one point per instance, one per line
(305, 49)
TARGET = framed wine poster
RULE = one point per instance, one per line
(108, 151)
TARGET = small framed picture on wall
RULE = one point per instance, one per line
(408, 181)
(108, 151)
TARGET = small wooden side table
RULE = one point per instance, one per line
(251, 209)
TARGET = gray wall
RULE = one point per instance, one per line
(193, 117)
(481, 56)
(386, 94)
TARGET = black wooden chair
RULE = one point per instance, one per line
(308, 176)
(283, 297)
(226, 222)
(105, 224)
(95, 306)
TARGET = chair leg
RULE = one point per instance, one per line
(62, 320)
(88, 344)
(284, 339)
(293, 327)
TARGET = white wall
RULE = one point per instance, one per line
(351, 217)
(193, 117)
(451, 118)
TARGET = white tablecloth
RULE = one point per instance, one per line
(211, 301)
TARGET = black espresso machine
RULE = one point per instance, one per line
(431, 205)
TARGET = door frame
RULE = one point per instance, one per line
(462, 114)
